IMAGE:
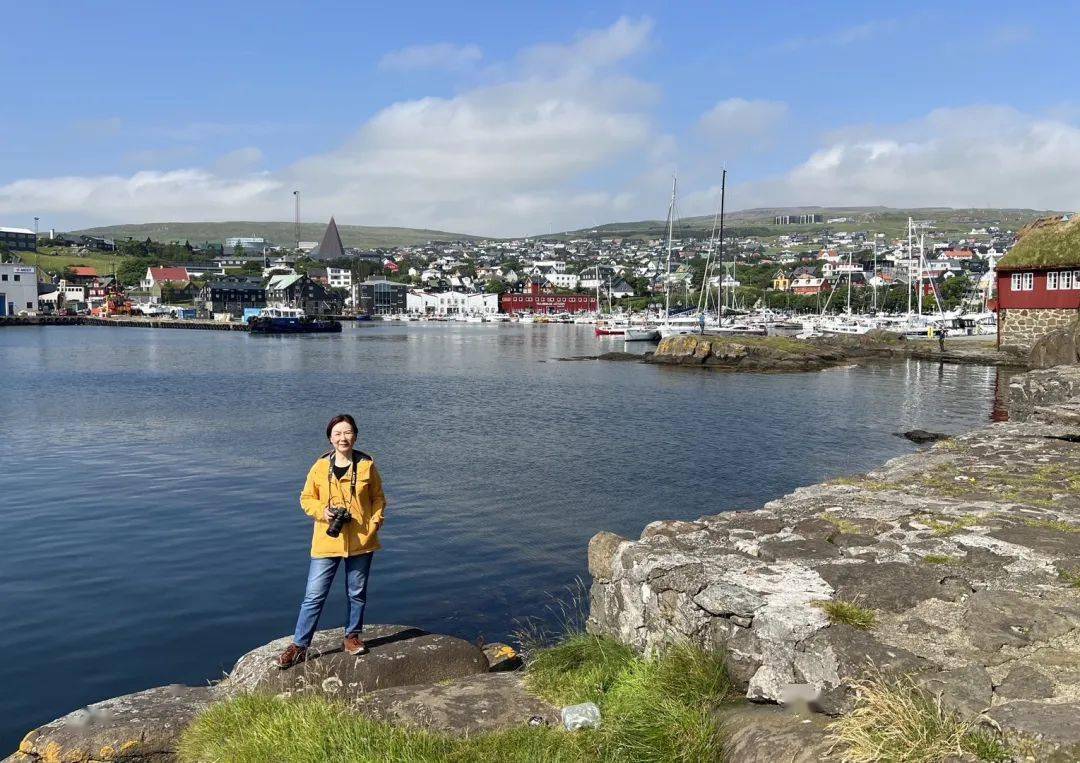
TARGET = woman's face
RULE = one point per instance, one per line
(342, 437)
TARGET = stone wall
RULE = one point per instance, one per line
(1021, 327)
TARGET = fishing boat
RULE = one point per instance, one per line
(290, 320)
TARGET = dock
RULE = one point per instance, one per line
(125, 322)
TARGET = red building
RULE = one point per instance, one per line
(537, 300)
(1038, 283)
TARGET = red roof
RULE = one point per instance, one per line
(169, 274)
(83, 270)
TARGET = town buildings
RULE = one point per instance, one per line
(233, 295)
(538, 300)
(378, 296)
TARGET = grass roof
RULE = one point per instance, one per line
(1046, 243)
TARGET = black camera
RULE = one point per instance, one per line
(338, 517)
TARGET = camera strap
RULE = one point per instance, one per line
(330, 474)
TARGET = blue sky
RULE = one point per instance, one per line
(513, 119)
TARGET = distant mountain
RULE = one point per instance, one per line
(277, 233)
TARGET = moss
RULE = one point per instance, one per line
(1071, 577)
(848, 613)
(1044, 246)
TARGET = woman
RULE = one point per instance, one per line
(346, 481)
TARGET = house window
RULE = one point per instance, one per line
(1052, 281)
(1065, 280)
(1076, 279)
(1028, 281)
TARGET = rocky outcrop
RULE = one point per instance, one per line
(397, 656)
(745, 353)
(1048, 395)
(965, 557)
(408, 676)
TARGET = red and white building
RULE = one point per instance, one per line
(536, 300)
(1033, 300)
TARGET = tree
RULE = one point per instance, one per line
(168, 292)
(494, 286)
(132, 269)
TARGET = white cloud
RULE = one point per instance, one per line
(507, 157)
(737, 123)
(969, 156)
(442, 55)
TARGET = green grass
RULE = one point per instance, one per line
(841, 524)
(896, 721)
(55, 260)
(1071, 577)
(653, 711)
(1047, 246)
(1053, 524)
(939, 559)
(848, 613)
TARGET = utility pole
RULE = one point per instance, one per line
(37, 255)
(296, 225)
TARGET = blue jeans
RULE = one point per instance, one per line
(320, 577)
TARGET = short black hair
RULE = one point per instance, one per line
(337, 420)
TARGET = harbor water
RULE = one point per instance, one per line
(151, 532)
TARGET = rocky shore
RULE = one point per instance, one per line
(960, 563)
(748, 353)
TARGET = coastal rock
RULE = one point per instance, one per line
(475, 704)
(502, 657)
(921, 436)
(1053, 728)
(143, 727)
(763, 734)
(959, 559)
(746, 353)
(397, 656)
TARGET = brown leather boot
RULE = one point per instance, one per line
(292, 655)
(353, 644)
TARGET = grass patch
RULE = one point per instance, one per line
(942, 529)
(939, 559)
(896, 721)
(848, 613)
(841, 524)
(1053, 524)
(1071, 577)
(653, 711)
(861, 482)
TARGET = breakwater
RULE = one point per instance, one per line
(131, 322)
(958, 565)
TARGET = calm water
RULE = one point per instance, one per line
(151, 533)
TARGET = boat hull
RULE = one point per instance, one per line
(293, 326)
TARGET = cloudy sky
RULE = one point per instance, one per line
(512, 118)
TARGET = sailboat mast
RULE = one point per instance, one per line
(922, 241)
(724, 183)
(670, 230)
(910, 275)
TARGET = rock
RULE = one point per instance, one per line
(397, 656)
(602, 549)
(502, 657)
(143, 727)
(1007, 618)
(1060, 347)
(763, 734)
(1025, 682)
(834, 657)
(889, 586)
(921, 436)
(1054, 727)
(474, 704)
(966, 691)
(620, 356)
(583, 716)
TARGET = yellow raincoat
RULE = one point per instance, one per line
(322, 489)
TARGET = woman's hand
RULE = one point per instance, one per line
(327, 517)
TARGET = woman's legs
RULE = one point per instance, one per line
(356, 578)
(320, 577)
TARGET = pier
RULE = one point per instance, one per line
(126, 322)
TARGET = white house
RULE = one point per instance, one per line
(451, 303)
(339, 278)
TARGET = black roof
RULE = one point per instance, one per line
(330, 247)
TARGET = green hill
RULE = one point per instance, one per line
(277, 233)
(759, 222)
